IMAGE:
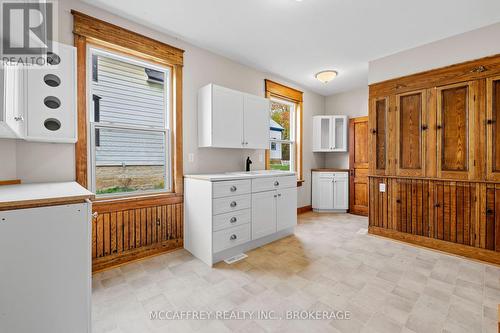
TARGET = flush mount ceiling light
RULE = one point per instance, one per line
(326, 76)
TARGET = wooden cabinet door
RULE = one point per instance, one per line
(285, 209)
(456, 130)
(489, 231)
(378, 135)
(256, 122)
(493, 129)
(358, 165)
(263, 214)
(412, 206)
(411, 123)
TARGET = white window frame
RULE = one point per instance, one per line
(293, 132)
(92, 125)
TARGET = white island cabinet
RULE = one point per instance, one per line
(226, 214)
(45, 258)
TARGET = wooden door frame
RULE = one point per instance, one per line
(352, 122)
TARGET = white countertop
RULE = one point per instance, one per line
(42, 194)
(240, 175)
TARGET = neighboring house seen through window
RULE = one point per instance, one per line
(282, 135)
(130, 129)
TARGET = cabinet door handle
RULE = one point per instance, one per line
(374, 131)
(233, 219)
(233, 188)
(233, 237)
(275, 196)
(19, 118)
(279, 194)
(233, 204)
(489, 211)
(490, 121)
(424, 127)
(276, 183)
(439, 127)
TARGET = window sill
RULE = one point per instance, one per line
(130, 202)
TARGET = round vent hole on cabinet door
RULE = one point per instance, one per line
(52, 124)
(53, 59)
(52, 80)
(52, 102)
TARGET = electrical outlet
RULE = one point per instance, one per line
(191, 157)
(381, 187)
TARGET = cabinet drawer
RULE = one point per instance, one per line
(273, 183)
(228, 220)
(228, 188)
(231, 237)
(230, 204)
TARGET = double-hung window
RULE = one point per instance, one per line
(282, 135)
(130, 116)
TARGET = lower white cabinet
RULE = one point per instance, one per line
(225, 216)
(330, 191)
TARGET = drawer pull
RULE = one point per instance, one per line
(233, 237)
(233, 219)
(233, 188)
(233, 204)
(276, 183)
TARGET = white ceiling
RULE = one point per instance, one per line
(297, 39)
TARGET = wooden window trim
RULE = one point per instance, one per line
(91, 31)
(277, 90)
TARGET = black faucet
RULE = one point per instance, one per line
(249, 161)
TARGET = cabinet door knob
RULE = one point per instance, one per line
(279, 194)
(233, 204)
(374, 131)
(489, 211)
(19, 118)
(490, 121)
(439, 127)
(233, 188)
(424, 127)
(233, 219)
(233, 237)
(276, 183)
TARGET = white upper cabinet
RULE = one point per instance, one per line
(256, 122)
(39, 101)
(330, 133)
(232, 119)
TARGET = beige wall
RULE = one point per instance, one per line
(353, 103)
(467, 46)
(55, 162)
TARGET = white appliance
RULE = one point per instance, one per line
(226, 214)
(45, 256)
(232, 119)
(38, 102)
(330, 191)
(330, 133)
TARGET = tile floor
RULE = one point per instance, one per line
(330, 264)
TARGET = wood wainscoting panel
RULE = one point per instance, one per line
(465, 213)
(126, 232)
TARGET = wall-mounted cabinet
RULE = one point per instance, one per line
(39, 102)
(457, 130)
(232, 119)
(378, 121)
(493, 128)
(411, 125)
(330, 133)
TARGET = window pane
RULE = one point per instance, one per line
(130, 94)
(281, 156)
(280, 121)
(129, 161)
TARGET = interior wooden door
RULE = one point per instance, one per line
(493, 129)
(456, 139)
(377, 138)
(358, 161)
(411, 126)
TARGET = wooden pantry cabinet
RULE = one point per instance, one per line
(434, 161)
